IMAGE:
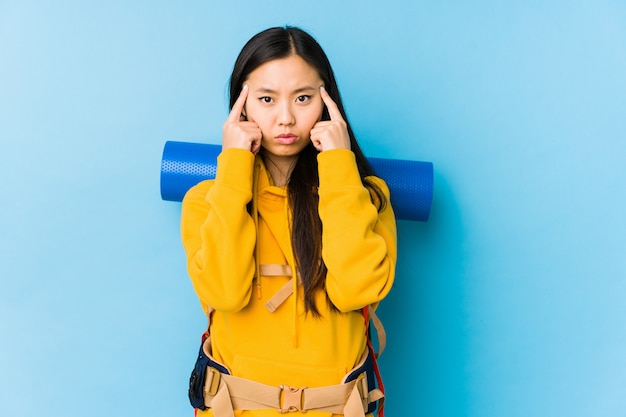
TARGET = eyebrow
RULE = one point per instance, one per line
(296, 91)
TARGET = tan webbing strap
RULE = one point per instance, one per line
(235, 394)
(375, 395)
(250, 395)
(354, 405)
(221, 403)
(380, 330)
(277, 299)
(275, 270)
(348, 399)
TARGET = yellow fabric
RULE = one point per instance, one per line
(286, 347)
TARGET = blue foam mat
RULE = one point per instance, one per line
(184, 164)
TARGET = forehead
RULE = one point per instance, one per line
(284, 74)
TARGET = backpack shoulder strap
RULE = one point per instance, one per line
(369, 313)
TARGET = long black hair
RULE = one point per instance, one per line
(306, 233)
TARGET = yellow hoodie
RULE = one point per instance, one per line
(286, 346)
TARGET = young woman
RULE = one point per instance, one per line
(290, 243)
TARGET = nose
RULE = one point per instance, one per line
(285, 115)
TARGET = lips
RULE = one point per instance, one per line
(286, 138)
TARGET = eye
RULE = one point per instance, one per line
(265, 99)
(303, 99)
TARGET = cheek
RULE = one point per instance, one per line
(255, 113)
(314, 113)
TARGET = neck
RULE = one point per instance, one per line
(280, 168)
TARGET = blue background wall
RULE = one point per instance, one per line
(509, 301)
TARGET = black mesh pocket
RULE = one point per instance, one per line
(196, 380)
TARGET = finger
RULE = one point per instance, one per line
(256, 146)
(235, 113)
(318, 145)
(333, 110)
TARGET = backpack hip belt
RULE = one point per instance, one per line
(224, 392)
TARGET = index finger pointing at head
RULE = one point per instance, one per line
(235, 112)
(333, 110)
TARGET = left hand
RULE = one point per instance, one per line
(333, 133)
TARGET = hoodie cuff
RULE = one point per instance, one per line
(338, 168)
(235, 169)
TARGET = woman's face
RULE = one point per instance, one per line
(284, 101)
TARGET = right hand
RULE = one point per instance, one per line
(238, 132)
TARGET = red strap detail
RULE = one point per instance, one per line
(208, 328)
(379, 379)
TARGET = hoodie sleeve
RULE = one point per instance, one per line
(218, 234)
(358, 242)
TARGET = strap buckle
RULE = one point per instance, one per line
(361, 385)
(292, 399)
(212, 382)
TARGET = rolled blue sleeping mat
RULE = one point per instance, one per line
(184, 164)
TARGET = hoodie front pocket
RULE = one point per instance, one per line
(275, 372)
